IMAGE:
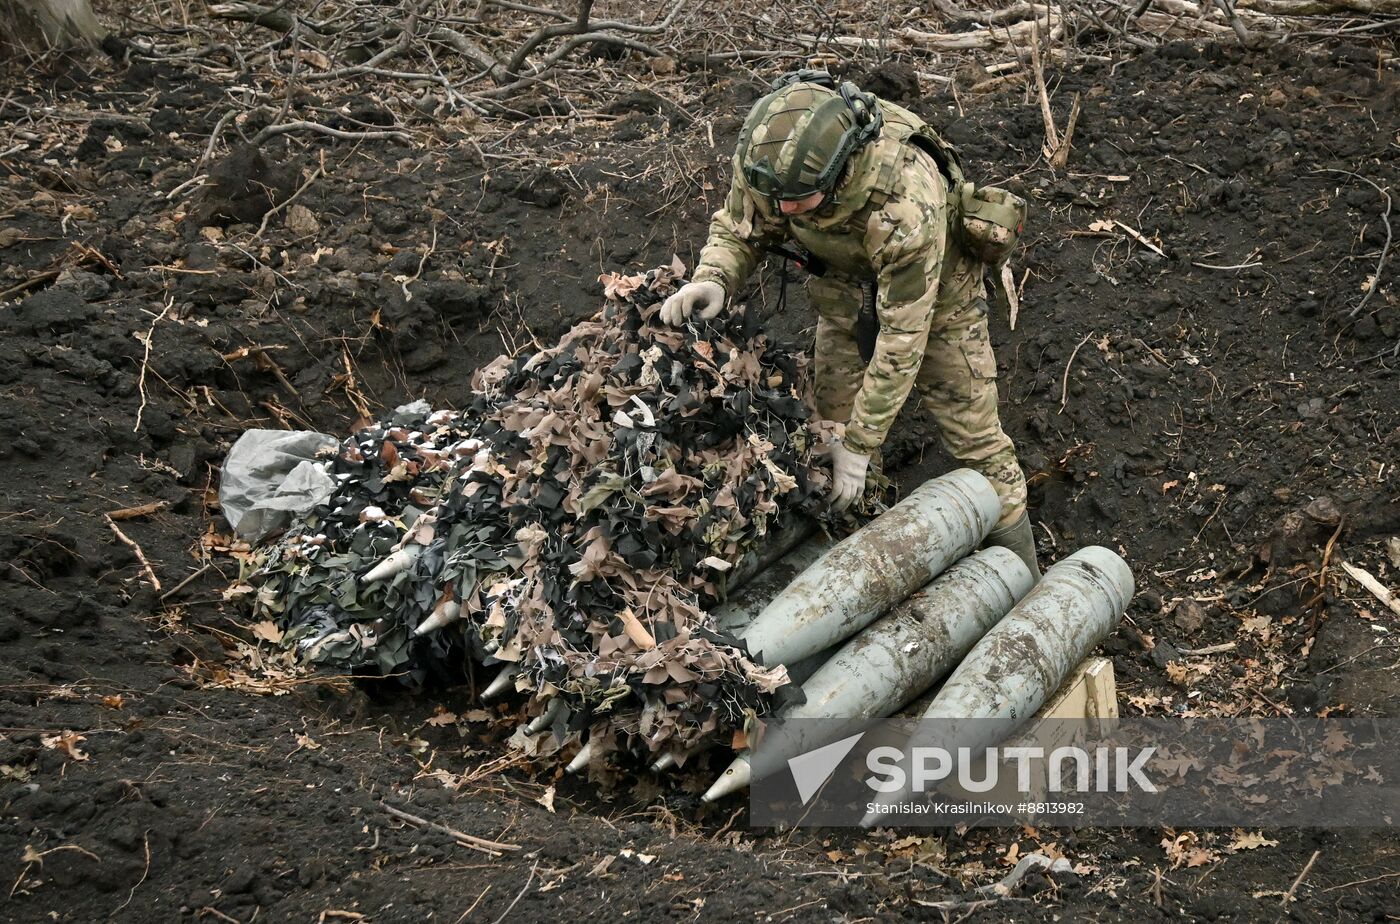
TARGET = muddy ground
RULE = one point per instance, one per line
(1185, 406)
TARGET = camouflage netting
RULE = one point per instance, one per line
(577, 519)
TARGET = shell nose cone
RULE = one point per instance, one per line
(581, 760)
(393, 564)
(735, 778)
(501, 683)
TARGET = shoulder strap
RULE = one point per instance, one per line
(944, 154)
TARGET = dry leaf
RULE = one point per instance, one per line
(1185, 850)
(442, 717)
(67, 742)
(547, 800)
(267, 630)
(114, 701)
(1250, 840)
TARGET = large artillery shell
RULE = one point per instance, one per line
(393, 563)
(447, 612)
(762, 589)
(546, 718)
(919, 641)
(892, 662)
(503, 681)
(581, 759)
(1025, 658)
(876, 567)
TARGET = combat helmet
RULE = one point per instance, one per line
(797, 139)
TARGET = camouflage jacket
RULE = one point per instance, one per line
(888, 222)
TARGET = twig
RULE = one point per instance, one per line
(466, 914)
(144, 510)
(29, 283)
(519, 895)
(1368, 581)
(1064, 383)
(544, 33)
(525, 8)
(197, 178)
(1137, 236)
(303, 125)
(315, 174)
(209, 909)
(1348, 885)
(467, 840)
(144, 873)
(418, 274)
(1237, 266)
(1208, 650)
(1052, 136)
(1229, 10)
(185, 583)
(1357, 657)
(140, 555)
(145, 364)
(213, 140)
(1288, 896)
(1327, 553)
(1385, 248)
(1060, 158)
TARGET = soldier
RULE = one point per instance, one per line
(875, 198)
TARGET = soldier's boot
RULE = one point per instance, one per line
(1017, 537)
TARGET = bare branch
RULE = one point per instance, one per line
(544, 33)
(307, 126)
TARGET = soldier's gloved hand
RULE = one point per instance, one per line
(848, 475)
(705, 297)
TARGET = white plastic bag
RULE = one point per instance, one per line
(270, 475)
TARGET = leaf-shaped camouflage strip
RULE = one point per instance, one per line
(578, 516)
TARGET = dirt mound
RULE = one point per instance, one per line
(1175, 400)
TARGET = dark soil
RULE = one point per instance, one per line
(1172, 410)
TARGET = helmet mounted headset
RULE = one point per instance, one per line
(864, 127)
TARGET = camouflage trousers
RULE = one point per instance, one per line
(956, 380)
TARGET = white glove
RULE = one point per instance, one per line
(848, 475)
(707, 297)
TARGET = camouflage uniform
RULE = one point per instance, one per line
(888, 222)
